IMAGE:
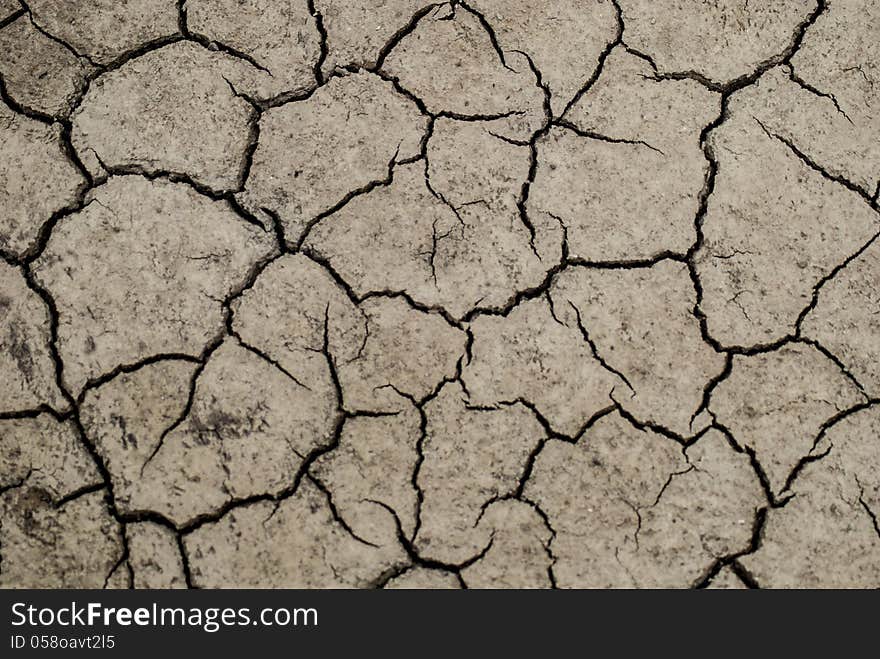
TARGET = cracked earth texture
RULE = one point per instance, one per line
(401, 294)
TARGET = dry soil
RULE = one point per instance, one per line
(496, 293)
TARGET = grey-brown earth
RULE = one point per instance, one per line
(324, 293)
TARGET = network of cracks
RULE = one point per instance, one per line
(492, 293)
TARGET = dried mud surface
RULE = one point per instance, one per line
(405, 294)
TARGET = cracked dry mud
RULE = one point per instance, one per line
(408, 294)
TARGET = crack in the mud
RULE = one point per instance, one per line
(812, 164)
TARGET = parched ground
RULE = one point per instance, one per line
(337, 293)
